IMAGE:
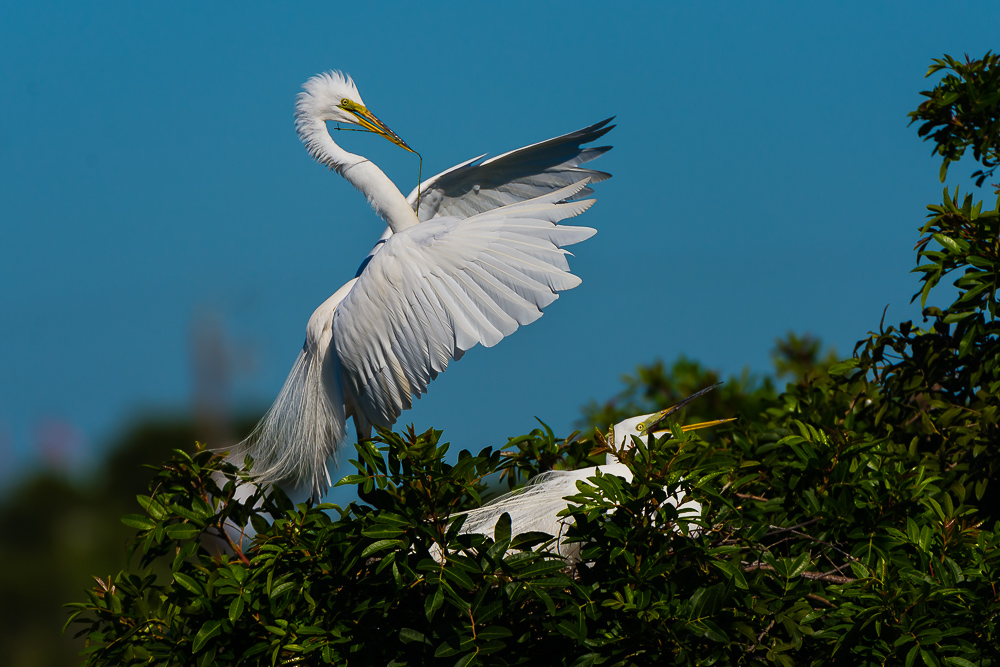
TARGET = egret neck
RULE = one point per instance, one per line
(381, 193)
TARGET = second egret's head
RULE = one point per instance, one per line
(622, 432)
(332, 96)
(641, 426)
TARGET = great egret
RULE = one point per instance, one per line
(535, 507)
(483, 257)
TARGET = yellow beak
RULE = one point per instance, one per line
(656, 418)
(370, 121)
(695, 427)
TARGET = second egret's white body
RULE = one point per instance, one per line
(536, 506)
(483, 258)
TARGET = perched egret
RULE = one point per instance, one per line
(535, 507)
(479, 256)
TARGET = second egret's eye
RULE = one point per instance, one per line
(346, 102)
(640, 427)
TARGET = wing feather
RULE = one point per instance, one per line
(439, 288)
(477, 185)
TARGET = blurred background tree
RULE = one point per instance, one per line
(59, 531)
(796, 358)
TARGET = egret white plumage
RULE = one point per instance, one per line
(535, 507)
(481, 256)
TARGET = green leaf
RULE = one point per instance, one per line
(493, 632)
(208, 630)
(959, 662)
(501, 531)
(239, 572)
(707, 628)
(190, 515)
(929, 658)
(733, 573)
(351, 480)
(947, 242)
(138, 521)
(381, 545)
(283, 588)
(409, 635)
(236, 608)
(153, 508)
(381, 532)
(189, 583)
(182, 531)
(457, 576)
(859, 570)
(800, 565)
(433, 602)
(844, 367)
(967, 340)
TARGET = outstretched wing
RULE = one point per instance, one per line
(438, 288)
(475, 187)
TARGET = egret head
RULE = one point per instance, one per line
(332, 96)
(622, 432)
(641, 426)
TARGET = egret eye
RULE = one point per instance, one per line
(640, 427)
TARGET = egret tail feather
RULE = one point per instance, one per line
(302, 429)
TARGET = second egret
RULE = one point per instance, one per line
(538, 505)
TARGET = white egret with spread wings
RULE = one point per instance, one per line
(479, 256)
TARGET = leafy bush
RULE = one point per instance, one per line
(851, 519)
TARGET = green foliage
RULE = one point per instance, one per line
(851, 519)
(56, 531)
(801, 357)
(963, 111)
(834, 559)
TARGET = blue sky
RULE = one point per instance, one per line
(765, 180)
